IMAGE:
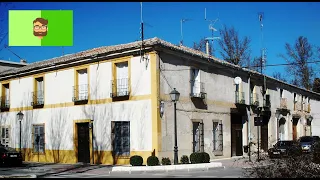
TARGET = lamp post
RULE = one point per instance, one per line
(174, 94)
(20, 117)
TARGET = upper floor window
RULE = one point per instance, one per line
(120, 83)
(80, 90)
(38, 94)
(5, 99)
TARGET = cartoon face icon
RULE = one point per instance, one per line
(40, 28)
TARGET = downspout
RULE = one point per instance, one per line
(248, 122)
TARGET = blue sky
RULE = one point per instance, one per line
(102, 24)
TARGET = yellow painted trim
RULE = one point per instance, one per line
(75, 138)
(70, 104)
(3, 90)
(69, 157)
(35, 87)
(114, 72)
(155, 93)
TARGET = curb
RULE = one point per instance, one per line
(188, 167)
(19, 176)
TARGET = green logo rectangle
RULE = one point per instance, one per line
(40, 28)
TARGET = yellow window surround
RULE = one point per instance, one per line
(115, 78)
(38, 96)
(76, 81)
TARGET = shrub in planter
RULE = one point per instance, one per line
(165, 161)
(152, 161)
(196, 157)
(205, 157)
(184, 159)
(136, 160)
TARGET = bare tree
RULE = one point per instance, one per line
(201, 46)
(255, 64)
(298, 57)
(234, 49)
(279, 76)
(316, 85)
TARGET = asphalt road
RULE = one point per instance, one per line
(227, 172)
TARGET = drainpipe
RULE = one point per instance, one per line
(248, 123)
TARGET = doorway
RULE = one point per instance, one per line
(83, 142)
(294, 128)
(236, 135)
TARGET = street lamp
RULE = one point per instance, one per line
(174, 94)
(20, 117)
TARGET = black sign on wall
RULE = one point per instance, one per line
(258, 121)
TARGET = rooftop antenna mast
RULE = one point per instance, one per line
(212, 29)
(263, 49)
(181, 32)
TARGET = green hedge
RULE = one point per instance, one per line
(153, 161)
(199, 157)
(165, 161)
(184, 159)
(136, 160)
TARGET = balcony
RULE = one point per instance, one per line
(240, 98)
(197, 90)
(80, 93)
(254, 99)
(283, 103)
(120, 88)
(37, 99)
(5, 103)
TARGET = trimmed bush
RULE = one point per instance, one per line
(152, 161)
(206, 157)
(196, 158)
(165, 161)
(136, 160)
(184, 159)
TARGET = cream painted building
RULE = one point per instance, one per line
(109, 103)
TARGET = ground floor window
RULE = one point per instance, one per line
(198, 138)
(5, 137)
(217, 135)
(38, 138)
(121, 137)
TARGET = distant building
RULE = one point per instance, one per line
(106, 104)
(6, 65)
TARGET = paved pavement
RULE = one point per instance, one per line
(232, 168)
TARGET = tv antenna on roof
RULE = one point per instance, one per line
(212, 29)
(263, 49)
(181, 24)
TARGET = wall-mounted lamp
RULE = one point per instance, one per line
(161, 108)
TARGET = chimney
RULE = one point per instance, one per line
(23, 61)
(207, 47)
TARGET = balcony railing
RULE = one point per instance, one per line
(197, 89)
(120, 87)
(240, 98)
(5, 102)
(254, 99)
(283, 103)
(37, 98)
(80, 93)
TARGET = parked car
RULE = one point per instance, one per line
(307, 142)
(285, 149)
(9, 156)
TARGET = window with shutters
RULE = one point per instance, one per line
(5, 136)
(198, 138)
(120, 138)
(217, 136)
(38, 138)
